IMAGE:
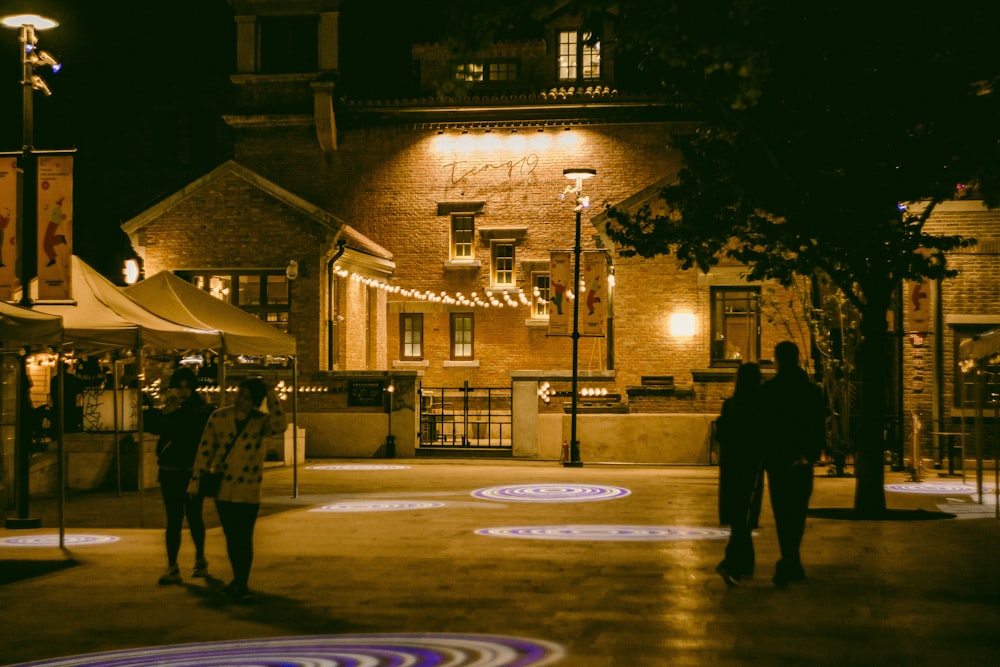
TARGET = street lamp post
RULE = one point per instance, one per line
(26, 231)
(578, 176)
(390, 439)
(31, 56)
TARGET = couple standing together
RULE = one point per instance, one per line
(778, 427)
(195, 439)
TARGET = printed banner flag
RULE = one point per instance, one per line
(560, 305)
(594, 304)
(9, 173)
(55, 227)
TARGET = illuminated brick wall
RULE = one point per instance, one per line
(389, 182)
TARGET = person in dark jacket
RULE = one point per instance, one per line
(794, 414)
(740, 470)
(180, 423)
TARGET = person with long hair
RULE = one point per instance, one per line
(233, 444)
(738, 431)
(180, 423)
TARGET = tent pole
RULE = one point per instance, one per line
(114, 408)
(60, 446)
(140, 440)
(222, 373)
(295, 427)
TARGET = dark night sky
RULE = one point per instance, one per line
(141, 94)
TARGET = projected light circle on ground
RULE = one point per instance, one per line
(937, 488)
(53, 540)
(377, 506)
(374, 650)
(606, 533)
(358, 466)
(551, 493)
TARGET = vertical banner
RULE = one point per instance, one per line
(8, 228)
(594, 306)
(55, 227)
(560, 305)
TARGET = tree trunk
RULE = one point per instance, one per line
(874, 367)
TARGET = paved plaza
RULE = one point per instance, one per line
(495, 563)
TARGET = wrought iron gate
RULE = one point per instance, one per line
(466, 417)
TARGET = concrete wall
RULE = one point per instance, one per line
(630, 438)
(361, 435)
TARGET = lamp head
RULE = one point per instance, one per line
(35, 21)
(579, 173)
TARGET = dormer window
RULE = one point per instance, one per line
(490, 71)
(579, 59)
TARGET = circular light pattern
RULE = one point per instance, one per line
(358, 467)
(374, 650)
(551, 493)
(938, 488)
(53, 540)
(377, 506)
(607, 533)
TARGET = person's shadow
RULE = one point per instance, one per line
(269, 609)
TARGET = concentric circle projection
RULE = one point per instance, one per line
(937, 488)
(375, 650)
(377, 506)
(607, 533)
(358, 466)
(551, 493)
(53, 540)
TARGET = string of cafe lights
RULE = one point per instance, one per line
(488, 299)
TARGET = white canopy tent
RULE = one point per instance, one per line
(23, 326)
(177, 300)
(101, 316)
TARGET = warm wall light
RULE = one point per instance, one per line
(131, 271)
(682, 324)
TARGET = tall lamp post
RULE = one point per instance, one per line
(31, 57)
(27, 233)
(578, 176)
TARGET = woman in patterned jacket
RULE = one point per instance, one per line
(240, 430)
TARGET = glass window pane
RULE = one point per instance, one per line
(220, 287)
(503, 262)
(249, 290)
(540, 295)
(461, 333)
(735, 326)
(462, 229)
(567, 55)
(412, 328)
(277, 289)
(591, 57)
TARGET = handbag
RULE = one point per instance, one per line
(209, 483)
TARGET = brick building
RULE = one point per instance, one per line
(422, 228)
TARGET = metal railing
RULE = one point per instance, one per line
(466, 417)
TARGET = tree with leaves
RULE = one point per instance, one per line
(827, 133)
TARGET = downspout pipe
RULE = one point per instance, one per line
(341, 247)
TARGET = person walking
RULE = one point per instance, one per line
(740, 472)
(795, 417)
(180, 423)
(233, 444)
